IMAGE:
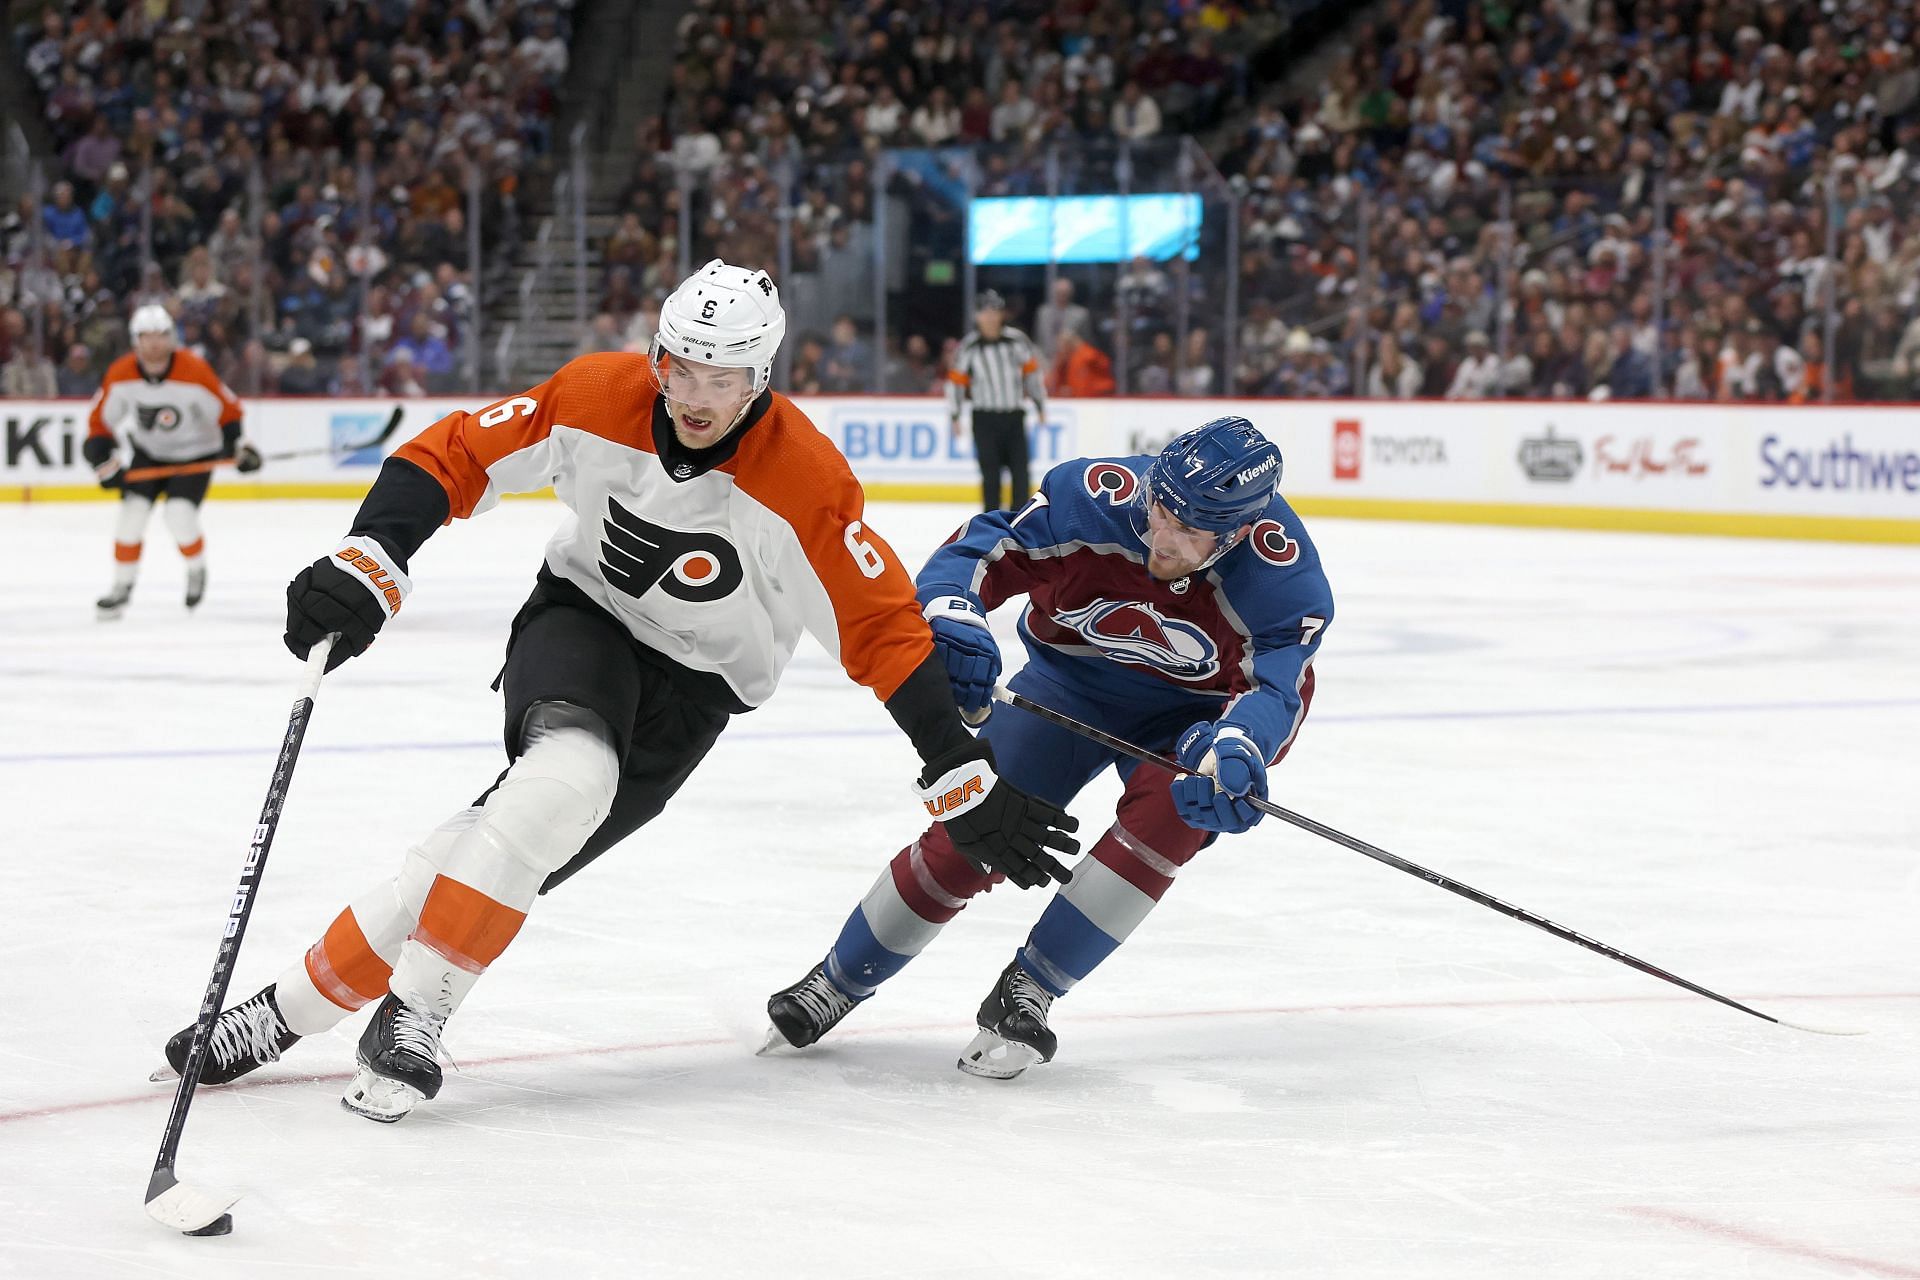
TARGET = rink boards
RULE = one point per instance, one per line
(1844, 473)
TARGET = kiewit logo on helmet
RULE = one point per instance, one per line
(1254, 473)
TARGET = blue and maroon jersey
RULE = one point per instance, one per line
(1244, 630)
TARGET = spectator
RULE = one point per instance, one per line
(1197, 375)
(1478, 376)
(400, 378)
(1154, 375)
(1061, 316)
(66, 222)
(432, 359)
(29, 375)
(1012, 115)
(94, 153)
(912, 371)
(1393, 375)
(1080, 369)
(1630, 373)
(848, 362)
(76, 377)
(1136, 116)
(301, 375)
(603, 335)
(936, 121)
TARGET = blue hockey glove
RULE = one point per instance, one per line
(966, 646)
(1227, 768)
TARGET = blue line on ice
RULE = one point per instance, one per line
(1363, 717)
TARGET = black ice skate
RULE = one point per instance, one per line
(113, 604)
(806, 1010)
(196, 585)
(250, 1034)
(1013, 1028)
(399, 1062)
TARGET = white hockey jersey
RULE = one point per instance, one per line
(176, 417)
(721, 569)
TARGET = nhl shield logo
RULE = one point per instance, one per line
(1139, 634)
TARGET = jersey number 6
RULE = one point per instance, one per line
(493, 417)
(864, 553)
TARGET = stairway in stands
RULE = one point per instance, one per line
(621, 57)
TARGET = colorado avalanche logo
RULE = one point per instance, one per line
(1111, 481)
(1131, 632)
(1271, 543)
(157, 417)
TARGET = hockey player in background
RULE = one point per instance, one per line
(709, 524)
(175, 410)
(1172, 601)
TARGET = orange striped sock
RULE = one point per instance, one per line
(344, 967)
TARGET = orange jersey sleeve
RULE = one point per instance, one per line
(188, 367)
(506, 446)
(798, 474)
(120, 370)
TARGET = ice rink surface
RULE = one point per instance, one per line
(1306, 1064)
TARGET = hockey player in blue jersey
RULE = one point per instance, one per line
(1173, 601)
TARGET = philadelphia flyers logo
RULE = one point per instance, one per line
(1271, 543)
(1111, 481)
(638, 555)
(157, 417)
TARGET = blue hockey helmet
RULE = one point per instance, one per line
(1219, 476)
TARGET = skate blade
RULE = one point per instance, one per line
(773, 1044)
(378, 1098)
(163, 1072)
(994, 1057)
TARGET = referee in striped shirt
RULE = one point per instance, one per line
(996, 368)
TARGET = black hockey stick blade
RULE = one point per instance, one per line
(1398, 863)
(171, 1202)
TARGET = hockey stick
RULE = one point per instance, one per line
(1378, 854)
(171, 1202)
(208, 464)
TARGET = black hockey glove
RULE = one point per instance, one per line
(352, 592)
(246, 459)
(995, 825)
(104, 458)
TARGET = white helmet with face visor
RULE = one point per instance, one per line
(723, 317)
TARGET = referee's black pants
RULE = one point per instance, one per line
(1000, 443)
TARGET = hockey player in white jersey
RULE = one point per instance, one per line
(175, 412)
(709, 524)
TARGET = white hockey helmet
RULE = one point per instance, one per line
(152, 318)
(725, 316)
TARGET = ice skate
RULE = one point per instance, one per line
(805, 1011)
(399, 1062)
(111, 605)
(1013, 1028)
(249, 1035)
(196, 585)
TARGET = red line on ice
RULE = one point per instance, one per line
(655, 1046)
(1747, 1235)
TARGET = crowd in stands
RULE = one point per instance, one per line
(1737, 127)
(1578, 198)
(787, 104)
(1707, 199)
(294, 183)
